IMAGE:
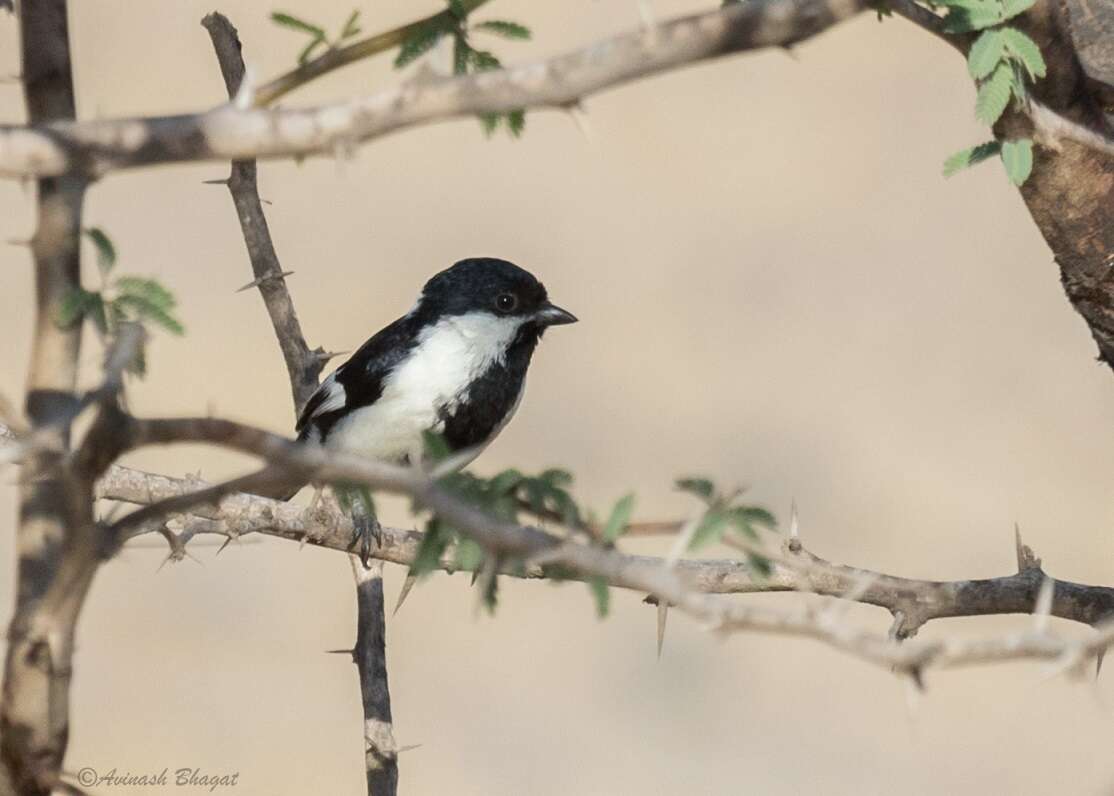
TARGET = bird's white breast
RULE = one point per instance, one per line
(448, 356)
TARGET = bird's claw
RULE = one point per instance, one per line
(366, 531)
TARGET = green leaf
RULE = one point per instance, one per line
(435, 446)
(491, 593)
(710, 529)
(516, 122)
(457, 9)
(746, 517)
(506, 481)
(307, 51)
(462, 54)
(536, 492)
(994, 95)
(567, 508)
(418, 44)
(556, 477)
(294, 23)
(601, 593)
(1011, 8)
(484, 61)
(147, 311)
(351, 25)
(620, 517)
(759, 565)
(468, 555)
(434, 542)
(95, 311)
(1017, 157)
(489, 122)
(501, 27)
(150, 290)
(701, 487)
(971, 16)
(72, 308)
(985, 53)
(1026, 51)
(970, 156)
(106, 251)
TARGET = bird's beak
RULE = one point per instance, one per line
(552, 315)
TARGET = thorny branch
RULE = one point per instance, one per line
(303, 365)
(698, 588)
(57, 540)
(237, 130)
(304, 369)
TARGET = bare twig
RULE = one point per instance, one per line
(303, 367)
(233, 133)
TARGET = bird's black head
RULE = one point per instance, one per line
(487, 284)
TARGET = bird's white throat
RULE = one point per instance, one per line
(448, 357)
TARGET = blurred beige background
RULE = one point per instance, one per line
(776, 288)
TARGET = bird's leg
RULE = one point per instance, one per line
(318, 490)
(366, 529)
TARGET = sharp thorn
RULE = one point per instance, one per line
(408, 748)
(340, 652)
(1098, 662)
(663, 614)
(407, 585)
(1026, 559)
(215, 182)
(262, 279)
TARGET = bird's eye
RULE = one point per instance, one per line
(506, 302)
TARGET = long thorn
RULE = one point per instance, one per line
(407, 585)
(663, 614)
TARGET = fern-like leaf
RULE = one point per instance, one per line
(970, 156)
(504, 28)
(994, 95)
(1026, 51)
(1017, 157)
(985, 53)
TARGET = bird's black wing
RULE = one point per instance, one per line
(359, 381)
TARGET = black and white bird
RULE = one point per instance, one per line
(455, 364)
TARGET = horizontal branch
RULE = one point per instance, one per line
(237, 131)
(697, 587)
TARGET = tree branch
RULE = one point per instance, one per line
(691, 586)
(370, 657)
(336, 57)
(304, 369)
(57, 540)
(303, 365)
(232, 132)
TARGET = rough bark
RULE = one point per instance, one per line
(1071, 192)
(57, 539)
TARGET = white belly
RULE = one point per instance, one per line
(448, 357)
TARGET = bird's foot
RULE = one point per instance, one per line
(366, 532)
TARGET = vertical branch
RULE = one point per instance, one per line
(370, 657)
(303, 365)
(304, 368)
(57, 538)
